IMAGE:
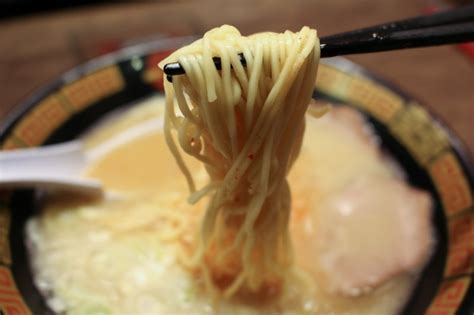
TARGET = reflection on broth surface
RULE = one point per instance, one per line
(360, 234)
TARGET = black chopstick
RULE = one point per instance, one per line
(463, 14)
(395, 40)
(449, 27)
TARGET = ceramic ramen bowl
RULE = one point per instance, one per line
(430, 154)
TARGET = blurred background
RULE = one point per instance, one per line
(42, 39)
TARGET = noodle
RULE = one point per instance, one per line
(246, 125)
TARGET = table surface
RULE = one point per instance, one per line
(35, 49)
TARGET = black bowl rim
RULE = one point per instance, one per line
(30, 100)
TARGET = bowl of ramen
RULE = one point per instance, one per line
(283, 186)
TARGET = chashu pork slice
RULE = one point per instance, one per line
(374, 229)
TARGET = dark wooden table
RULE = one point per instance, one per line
(34, 49)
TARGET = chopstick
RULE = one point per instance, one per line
(395, 40)
(463, 14)
(448, 27)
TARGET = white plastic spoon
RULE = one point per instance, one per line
(56, 166)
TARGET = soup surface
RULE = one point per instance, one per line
(360, 234)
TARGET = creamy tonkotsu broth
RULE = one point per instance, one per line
(360, 233)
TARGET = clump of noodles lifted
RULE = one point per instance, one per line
(245, 123)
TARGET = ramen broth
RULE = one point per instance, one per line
(122, 254)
